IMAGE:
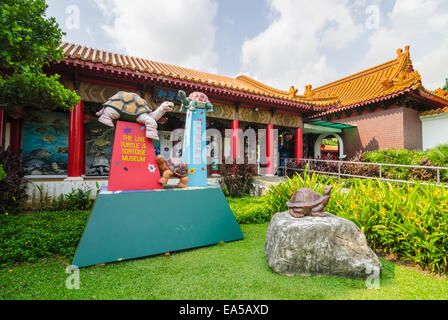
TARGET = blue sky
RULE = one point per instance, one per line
(278, 42)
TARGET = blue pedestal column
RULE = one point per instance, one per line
(194, 151)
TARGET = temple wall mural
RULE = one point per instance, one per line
(45, 143)
(99, 142)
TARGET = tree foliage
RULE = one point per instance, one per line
(28, 42)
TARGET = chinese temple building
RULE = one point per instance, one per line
(377, 108)
(383, 104)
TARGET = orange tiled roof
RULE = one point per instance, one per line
(385, 79)
(434, 112)
(369, 85)
(241, 83)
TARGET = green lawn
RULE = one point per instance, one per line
(235, 270)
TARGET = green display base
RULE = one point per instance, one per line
(139, 224)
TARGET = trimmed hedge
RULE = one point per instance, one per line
(250, 209)
(28, 237)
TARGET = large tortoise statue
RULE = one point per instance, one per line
(195, 100)
(307, 202)
(128, 106)
(173, 167)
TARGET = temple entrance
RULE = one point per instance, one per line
(322, 140)
(329, 147)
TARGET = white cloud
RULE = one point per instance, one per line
(423, 25)
(306, 40)
(290, 51)
(180, 32)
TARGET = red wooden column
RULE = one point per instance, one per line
(76, 142)
(235, 139)
(15, 143)
(270, 150)
(299, 143)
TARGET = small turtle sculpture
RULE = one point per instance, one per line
(128, 106)
(195, 100)
(307, 202)
(173, 167)
(100, 165)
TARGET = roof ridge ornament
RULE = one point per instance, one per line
(400, 51)
(309, 94)
(293, 92)
(405, 75)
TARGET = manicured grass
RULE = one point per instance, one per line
(236, 270)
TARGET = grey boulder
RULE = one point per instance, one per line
(315, 246)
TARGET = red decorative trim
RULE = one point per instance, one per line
(152, 79)
(228, 103)
(424, 96)
(363, 103)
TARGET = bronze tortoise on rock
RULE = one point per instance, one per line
(307, 202)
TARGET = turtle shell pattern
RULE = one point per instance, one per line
(128, 103)
(305, 198)
(178, 166)
(198, 96)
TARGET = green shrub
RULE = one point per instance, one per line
(439, 155)
(410, 221)
(28, 237)
(237, 180)
(77, 199)
(12, 186)
(250, 209)
(434, 157)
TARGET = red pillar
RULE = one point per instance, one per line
(76, 142)
(270, 150)
(299, 143)
(15, 143)
(235, 139)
